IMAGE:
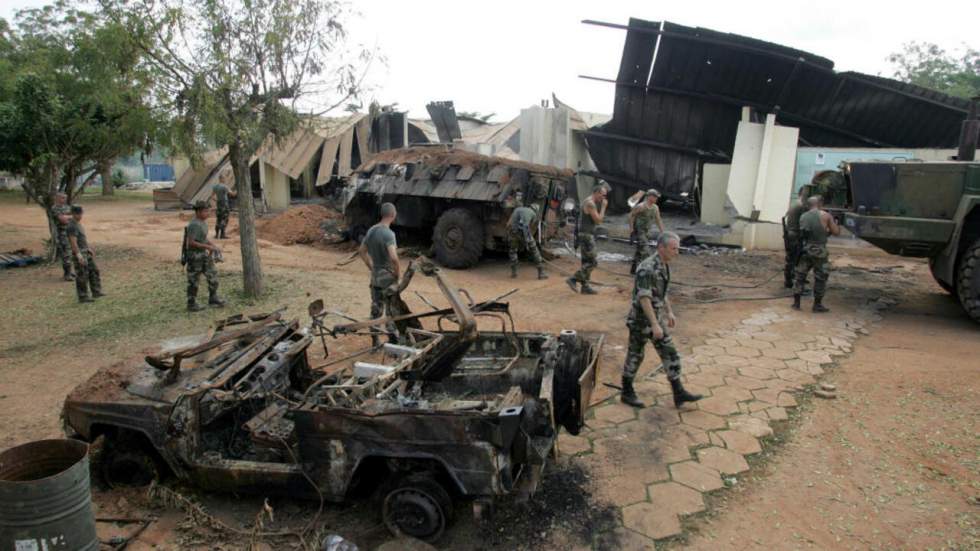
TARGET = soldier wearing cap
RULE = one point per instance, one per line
(198, 251)
(87, 275)
(642, 218)
(519, 229)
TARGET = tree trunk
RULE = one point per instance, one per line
(105, 171)
(251, 264)
(43, 192)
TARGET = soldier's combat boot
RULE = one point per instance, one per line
(541, 273)
(572, 283)
(796, 302)
(98, 294)
(86, 298)
(818, 306)
(681, 395)
(513, 271)
(588, 290)
(193, 306)
(216, 301)
(69, 276)
(628, 396)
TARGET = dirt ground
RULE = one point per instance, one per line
(892, 463)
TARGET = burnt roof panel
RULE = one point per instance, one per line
(689, 106)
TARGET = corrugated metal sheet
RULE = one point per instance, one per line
(443, 115)
(682, 108)
(191, 180)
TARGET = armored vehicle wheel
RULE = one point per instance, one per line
(458, 238)
(968, 281)
(948, 288)
(417, 506)
(126, 466)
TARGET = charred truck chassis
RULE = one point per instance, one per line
(464, 199)
(441, 416)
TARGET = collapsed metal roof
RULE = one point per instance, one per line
(680, 90)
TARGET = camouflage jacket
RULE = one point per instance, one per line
(652, 280)
(57, 210)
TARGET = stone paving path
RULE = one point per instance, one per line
(656, 463)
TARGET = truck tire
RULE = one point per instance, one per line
(125, 465)
(932, 269)
(968, 281)
(458, 238)
(417, 506)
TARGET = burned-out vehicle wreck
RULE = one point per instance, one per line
(442, 416)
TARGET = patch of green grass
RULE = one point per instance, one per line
(142, 302)
(91, 195)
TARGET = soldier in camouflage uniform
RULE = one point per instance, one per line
(648, 321)
(642, 218)
(791, 237)
(593, 212)
(222, 207)
(87, 275)
(520, 236)
(815, 225)
(61, 215)
(379, 251)
(198, 251)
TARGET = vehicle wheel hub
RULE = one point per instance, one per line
(414, 513)
(454, 238)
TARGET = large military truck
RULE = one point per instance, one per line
(922, 209)
(461, 199)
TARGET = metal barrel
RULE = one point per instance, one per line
(45, 498)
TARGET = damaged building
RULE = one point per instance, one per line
(680, 94)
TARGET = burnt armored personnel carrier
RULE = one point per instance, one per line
(442, 416)
(462, 199)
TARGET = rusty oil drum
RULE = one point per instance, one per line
(45, 498)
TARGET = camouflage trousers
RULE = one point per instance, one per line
(813, 258)
(221, 223)
(586, 244)
(87, 276)
(518, 241)
(198, 265)
(640, 335)
(383, 304)
(63, 248)
(792, 245)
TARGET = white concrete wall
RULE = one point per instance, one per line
(761, 176)
(545, 136)
(714, 194)
(275, 187)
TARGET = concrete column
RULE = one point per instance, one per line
(762, 175)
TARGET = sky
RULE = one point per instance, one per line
(501, 56)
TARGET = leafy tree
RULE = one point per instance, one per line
(234, 73)
(928, 65)
(72, 100)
